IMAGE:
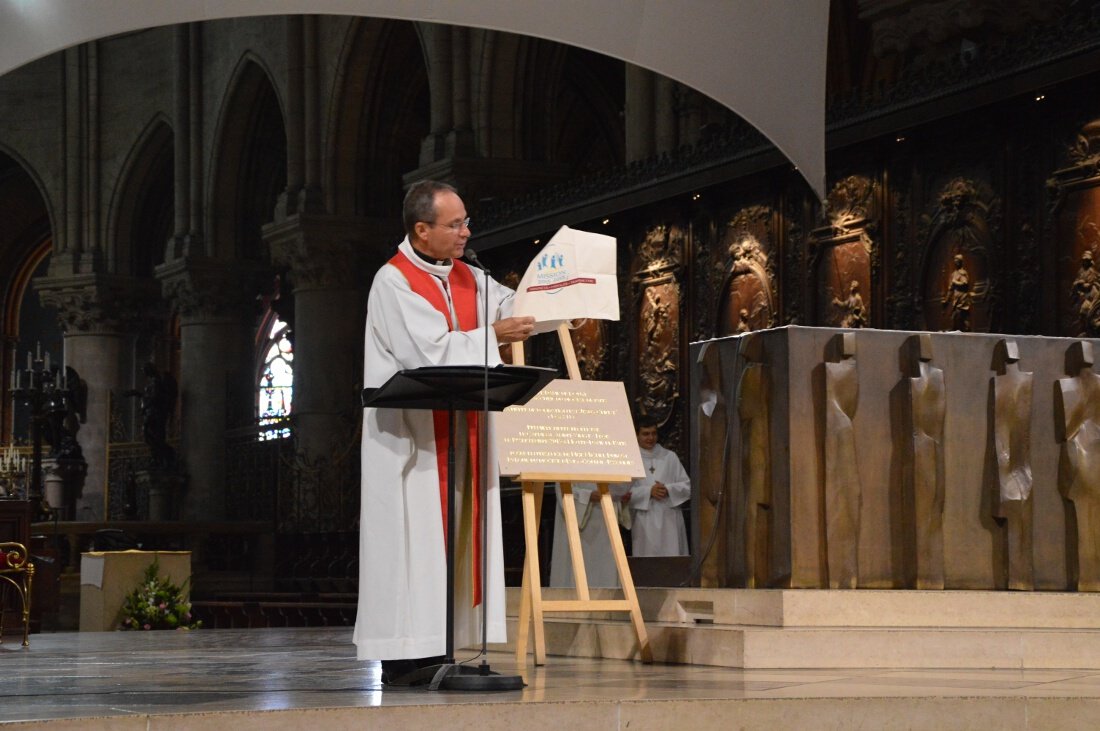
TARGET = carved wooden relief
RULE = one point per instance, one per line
(1076, 192)
(657, 336)
(748, 296)
(590, 345)
(956, 288)
(843, 255)
(658, 348)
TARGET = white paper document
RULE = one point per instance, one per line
(573, 277)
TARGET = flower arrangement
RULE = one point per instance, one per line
(156, 604)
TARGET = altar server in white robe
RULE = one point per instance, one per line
(599, 563)
(656, 500)
(426, 308)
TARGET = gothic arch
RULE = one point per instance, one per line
(11, 166)
(567, 100)
(248, 170)
(381, 111)
(140, 213)
(26, 237)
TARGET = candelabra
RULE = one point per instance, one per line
(44, 394)
(13, 474)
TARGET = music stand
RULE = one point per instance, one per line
(451, 389)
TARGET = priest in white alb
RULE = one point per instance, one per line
(656, 500)
(425, 308)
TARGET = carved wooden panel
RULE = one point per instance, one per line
(1076, 192)
(658, 347)
(843, 255)
(591, 346)
(657, 304)
(956, 284)
(748, 295)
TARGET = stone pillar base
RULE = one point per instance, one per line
(163, 489)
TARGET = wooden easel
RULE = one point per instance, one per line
(532, 605)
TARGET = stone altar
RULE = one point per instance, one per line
(974, 555)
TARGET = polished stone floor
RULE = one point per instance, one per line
(309, 678)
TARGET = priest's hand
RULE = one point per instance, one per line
(514, 329)
(658, 491)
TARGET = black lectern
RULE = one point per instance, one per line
(451, 389)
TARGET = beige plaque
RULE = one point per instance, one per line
(579, 429)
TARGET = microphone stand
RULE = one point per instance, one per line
(485, 679)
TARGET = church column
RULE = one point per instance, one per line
(460, 139)
(187, 143)
(213, 299)
(639, 113)
(665, 136)
(101, 316)
(294, 118)
(181, 139)
(311, 103)
(437, 45)
(325, 258)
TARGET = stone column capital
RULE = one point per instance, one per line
(207, 289)
(101, 303)
(328, 252)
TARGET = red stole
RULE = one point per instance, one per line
(463, 290)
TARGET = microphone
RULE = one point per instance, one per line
(471, 256)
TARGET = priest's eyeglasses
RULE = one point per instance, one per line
(455, 226)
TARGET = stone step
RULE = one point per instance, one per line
(850, 608)
(807, 648)
(802, 629)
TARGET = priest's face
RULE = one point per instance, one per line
(647, 437)
(446, 236)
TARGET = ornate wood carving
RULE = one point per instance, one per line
(748, 295)
(900, 302)
(843, 253)
(958, 291)
(1075, 195)
(657, 302)
(794, 261)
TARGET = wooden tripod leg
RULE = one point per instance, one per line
(567, 351)
(523, 622)
(531, 593)
(611, 520)
(573, 533)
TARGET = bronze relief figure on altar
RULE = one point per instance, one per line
(747, 300)
(1077, 423)
(1013, 504)
(927, 409)
(956, 287)
(842, 253)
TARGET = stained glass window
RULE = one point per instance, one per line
(276, 387)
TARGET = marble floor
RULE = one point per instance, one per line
(309, 678)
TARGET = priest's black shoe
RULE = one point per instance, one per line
(409, 672)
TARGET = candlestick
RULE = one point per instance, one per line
(47, 360)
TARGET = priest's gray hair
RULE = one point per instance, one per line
(420, 203)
